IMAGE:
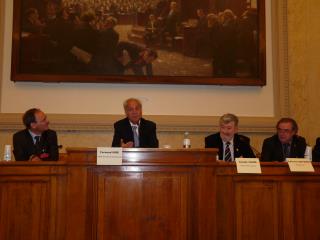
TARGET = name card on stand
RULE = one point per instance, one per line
(300, 165)
(248, 165)
(109, 156)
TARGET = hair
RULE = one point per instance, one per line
(212, 19)
(112, 20)
(229, 117)
(201, 10)
(173, 4)
(288, 120)
(87, 16)
(31, 11)
(29, 117)
(152, 53)
(126, 102)
(229, 14)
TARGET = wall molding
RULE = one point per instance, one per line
(2, 22)
(81, 122)
(89, 122)
(280, 59)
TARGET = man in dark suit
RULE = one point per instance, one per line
(36, 142)
(138, 59)
(316, 151)
(134, 131)
(172, 19)
(108, 38)
(285, 144)
(231, 145)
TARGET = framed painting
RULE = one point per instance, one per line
(140, 41)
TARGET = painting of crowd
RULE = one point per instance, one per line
(79, 37)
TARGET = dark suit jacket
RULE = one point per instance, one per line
(316, 151)
(241, 145)
(135, 63)
(23, 146)
(272, 149)
(147, 133)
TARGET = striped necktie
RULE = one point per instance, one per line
(227, 153)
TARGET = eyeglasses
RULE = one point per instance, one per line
(284, 130)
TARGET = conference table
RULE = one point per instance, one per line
(156, 194)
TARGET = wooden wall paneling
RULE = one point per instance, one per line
(31, 202)
(204, 202)
(168, 187)
(189, 197)
(225, 205)
(256, 215)
(147, 203)
(287, 205)
(277, 204)
(307, 208)
(76, 201)
(26, 211)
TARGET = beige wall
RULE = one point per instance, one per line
(291, 88)
(304, 65)
(76, 98)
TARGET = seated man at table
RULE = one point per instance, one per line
(134, 131)
(316, 151)
(36, 142)
(231, 145)
(285, 143)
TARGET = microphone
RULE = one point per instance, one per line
(246, 140)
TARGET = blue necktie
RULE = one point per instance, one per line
(286, 150)
(135, 136)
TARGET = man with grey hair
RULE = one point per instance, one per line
(134, 131)
(231, 145)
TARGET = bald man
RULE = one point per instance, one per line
(134, 131)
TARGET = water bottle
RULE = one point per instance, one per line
(308, 153)
(7, 153)
(186, 140)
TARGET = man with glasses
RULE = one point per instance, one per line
(36, 142)
(285, 144)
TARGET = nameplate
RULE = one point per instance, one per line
(248, 165)
(300, 165)
(109, 156)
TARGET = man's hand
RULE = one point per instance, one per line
(126, 145)
(34, 158)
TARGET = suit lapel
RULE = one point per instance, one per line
(293, 147)
(141, 131)
(236, 146)
(220, 147)
(29, 141)
(128, 131)
(279, 151)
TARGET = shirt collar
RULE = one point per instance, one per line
(231, 142)
(132, 124)
(33, 135)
